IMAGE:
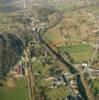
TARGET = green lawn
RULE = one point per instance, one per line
(20, 92)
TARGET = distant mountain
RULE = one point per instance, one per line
(6, 1)
(59, 2)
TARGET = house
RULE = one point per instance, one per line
(18, 70)
(84, 65)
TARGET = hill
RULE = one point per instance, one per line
(7, 1)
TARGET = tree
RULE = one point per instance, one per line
(11, 48)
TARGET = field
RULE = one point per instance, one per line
(82, 56)
(71, 32)
(79, 53)
(54, 36)
(75, 27)
(20, 92)
(94, 9)
(75, 49)
(65, 7)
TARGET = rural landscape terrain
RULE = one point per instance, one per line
(49, 49)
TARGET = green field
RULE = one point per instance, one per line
(75, 49)
(20, 92)
(82, 56)
(79, 53)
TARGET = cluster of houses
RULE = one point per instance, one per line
(73, 84)
(94, 72)
(19, 70)
(65, 80)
